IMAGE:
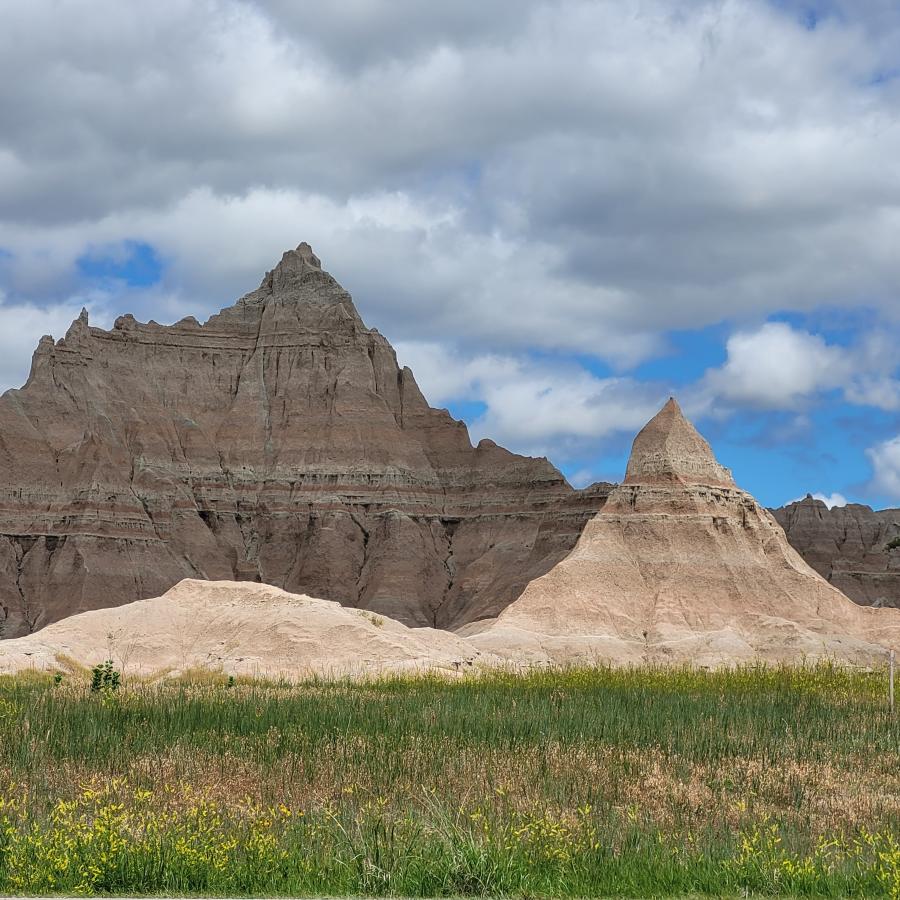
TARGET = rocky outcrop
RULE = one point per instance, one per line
(682, 565)
(278, 442)
(849, 546)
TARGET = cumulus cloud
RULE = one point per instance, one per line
(410, 264)
(831, 500)
(601, 171)
(885, 459)
(532, 406)
(583, 477)
(879, 391)
(779, 367)
(776, 367)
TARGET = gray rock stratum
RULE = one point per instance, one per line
(278, 442)
(849, 546)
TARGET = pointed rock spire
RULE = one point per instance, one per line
(302, 256)
(79, 330)
(679, 566)
(294, 267)
(669, 450)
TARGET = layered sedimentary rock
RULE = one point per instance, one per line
(849, 546)
(278, 442)
(240, 629)
(682, 565)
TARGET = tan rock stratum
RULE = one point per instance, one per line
(241, 629)
(681, 565)
(278, 442)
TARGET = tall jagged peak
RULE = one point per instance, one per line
(295, 267)
(301, 259)
(300, 283)
(670, 450)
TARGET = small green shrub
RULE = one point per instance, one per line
(105, 678)
(893, 544)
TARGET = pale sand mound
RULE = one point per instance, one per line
(683, 566)
(239, 628)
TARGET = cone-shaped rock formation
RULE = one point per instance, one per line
(669, 450)
(278, 442)
(680, 564)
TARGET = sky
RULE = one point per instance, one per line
(559, 212)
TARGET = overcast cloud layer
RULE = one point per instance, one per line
(559, 211)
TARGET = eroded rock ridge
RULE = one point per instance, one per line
(278, 442)
(852, 546)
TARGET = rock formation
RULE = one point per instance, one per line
(682, 565)
(278, 442)
(237, 628)
(849, 546)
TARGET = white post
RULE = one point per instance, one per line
(892, 682)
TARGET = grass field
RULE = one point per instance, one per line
(582, 783)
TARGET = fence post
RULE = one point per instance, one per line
(891, 688)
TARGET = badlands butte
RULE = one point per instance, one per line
(270, 493)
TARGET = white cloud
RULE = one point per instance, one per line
(776, 367)
(533, 406)
(547, 408)
(779, 367)
(411, 265)
(582, 478)
(445, 375)
(568, 174)
(885, 459)
(879, 391)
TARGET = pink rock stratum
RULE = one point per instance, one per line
(278, 442)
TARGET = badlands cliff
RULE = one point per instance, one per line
(278, 442)
(849, 546)
(681, 565)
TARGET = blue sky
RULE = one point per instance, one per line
(559, 211)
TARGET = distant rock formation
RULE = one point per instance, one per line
(279, 442)
(239, 629)
(682, 565)
(849, 546)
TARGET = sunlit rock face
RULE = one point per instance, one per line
(681, 565)
(278, 442)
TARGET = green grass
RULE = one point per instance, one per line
(581, 783)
